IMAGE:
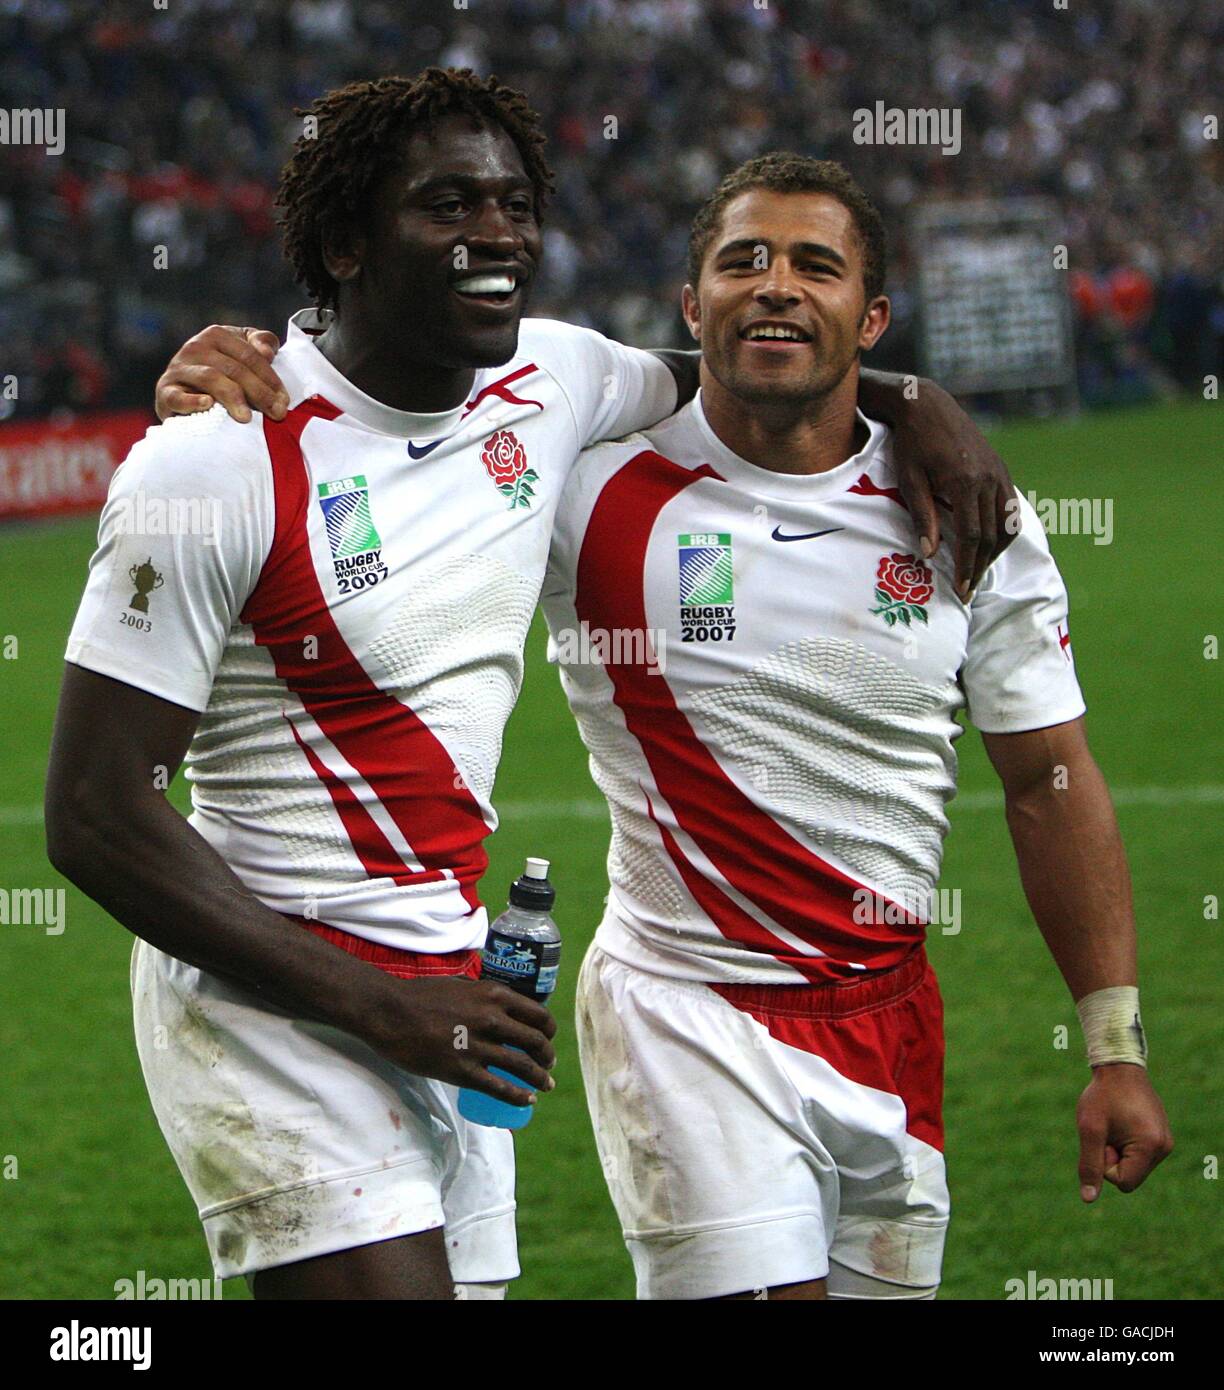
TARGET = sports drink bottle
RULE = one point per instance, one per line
(522, 951)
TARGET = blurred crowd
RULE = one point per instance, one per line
(180, 114)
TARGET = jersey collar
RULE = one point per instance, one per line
(770, 484)
(319, 377)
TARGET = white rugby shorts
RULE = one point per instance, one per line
(297, 1139)
(749, 1134)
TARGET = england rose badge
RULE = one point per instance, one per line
(505, 461)
(903, 588)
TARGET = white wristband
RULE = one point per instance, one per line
(1112, 1028)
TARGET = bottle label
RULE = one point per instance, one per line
(529, 967)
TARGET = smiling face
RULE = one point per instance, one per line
(443, 265)
(779, 309)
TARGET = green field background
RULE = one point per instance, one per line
(97, 1198)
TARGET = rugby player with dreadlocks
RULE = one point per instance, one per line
(335, 658)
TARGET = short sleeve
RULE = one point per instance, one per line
(184, 533)
(612, 389)
(1018, 672)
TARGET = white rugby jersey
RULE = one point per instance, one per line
(778, 778)
(353, 631)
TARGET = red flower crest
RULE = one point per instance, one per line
(905, 578)
(903, 588)
(505, 461)
(504, 458)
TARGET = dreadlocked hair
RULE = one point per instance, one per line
(333, 169)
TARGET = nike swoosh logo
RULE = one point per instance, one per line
(807, 536)
(415, 452)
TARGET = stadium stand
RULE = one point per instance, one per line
(178, 119)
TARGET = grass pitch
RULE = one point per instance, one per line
(89, 1194)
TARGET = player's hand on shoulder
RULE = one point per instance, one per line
(942, 457)
(454, 1029)
(225, 365)
(1124, 1132)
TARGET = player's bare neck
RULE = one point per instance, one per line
(391, 376)
(787, 436)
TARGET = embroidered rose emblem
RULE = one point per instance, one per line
(505, 461)
(903, 588)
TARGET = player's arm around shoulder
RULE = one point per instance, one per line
(611, 389)
(943, 460)
(225, 365)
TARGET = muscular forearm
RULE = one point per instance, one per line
(1075, 877)
(142, 862)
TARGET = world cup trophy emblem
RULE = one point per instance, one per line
(146, 579)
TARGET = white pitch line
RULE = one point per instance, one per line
(987, 800)
(13, 817)
(1122, 796)
(593, 809)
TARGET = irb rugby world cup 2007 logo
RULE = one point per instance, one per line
(356, 547)
(707, 587)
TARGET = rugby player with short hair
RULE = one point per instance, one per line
(760, 1032)
(336, 662)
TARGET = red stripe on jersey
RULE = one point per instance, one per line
(377, 854)
(392, 749)
(765, 863)
(725, 912)
(501, 389)
(868, 489)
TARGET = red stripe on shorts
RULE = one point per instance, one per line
(884, 1031)
(404, 965)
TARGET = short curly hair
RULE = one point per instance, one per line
(783, 172)
(328, 180)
